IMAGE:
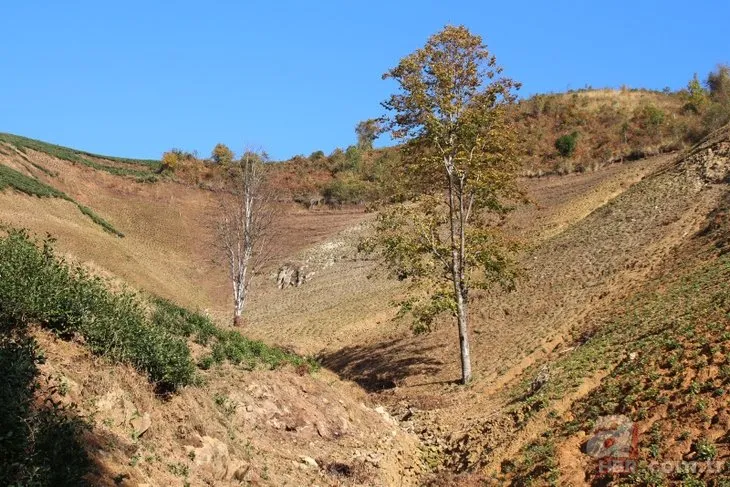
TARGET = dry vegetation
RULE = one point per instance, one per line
(631, 257)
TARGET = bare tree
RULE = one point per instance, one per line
(247, 211)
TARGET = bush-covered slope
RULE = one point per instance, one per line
(39, 288)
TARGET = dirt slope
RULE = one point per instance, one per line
(240, 428)
(593, 239)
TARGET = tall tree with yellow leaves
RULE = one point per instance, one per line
(458, 172)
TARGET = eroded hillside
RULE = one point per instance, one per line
(598, 246)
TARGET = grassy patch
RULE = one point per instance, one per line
(141, 168)
(672, 350)
(225, 345)
(38, 287)
(10, 178)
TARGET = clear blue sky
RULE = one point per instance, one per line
(135, 78)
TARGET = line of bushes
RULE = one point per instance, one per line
(151, 334)
(225, 345)
(38, 287)
(77, 157)
(10, 178)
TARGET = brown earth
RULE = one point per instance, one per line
(591, 240)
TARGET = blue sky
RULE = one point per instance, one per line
(135, 78)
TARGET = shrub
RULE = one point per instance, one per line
(345, 188)
(181, 322)
(222, 154)
(715, 116)
(696, 96)
(336, 160)
(37, 287)
(239, 350)
(566, 144)
(353, 159)
(170, 160)
(227, 345)
(653, 115)
(718, 82)
(705, 449)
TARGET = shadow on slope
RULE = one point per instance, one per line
(40, 440)
(382, 365)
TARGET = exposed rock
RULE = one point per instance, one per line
(385, 415)
(308, 461)
(374, 458)
(116, 406)
(211, 457)
(292, 274)
(323, 430)
(711, 158)
(238, 472)
(612, 437)
(141, 424)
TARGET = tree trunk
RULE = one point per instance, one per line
(458, 262)
(463, 340)
(240, 300)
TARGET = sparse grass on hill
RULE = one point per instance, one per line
(673, 381)
(141, 169)
(613, 126)
(225, 345)
(10, 178)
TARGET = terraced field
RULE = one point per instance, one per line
(590, 240)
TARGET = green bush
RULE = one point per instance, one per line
(37, 287)
(716, 115)
(227, 345)
(353, 158)
(10, 178)
(181, 322)
(718, 83)
(108, 227)
(566, 144)
(347, 187)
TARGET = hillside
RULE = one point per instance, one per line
(607, 126)
(623, 289)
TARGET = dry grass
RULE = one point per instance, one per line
(593, 239)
